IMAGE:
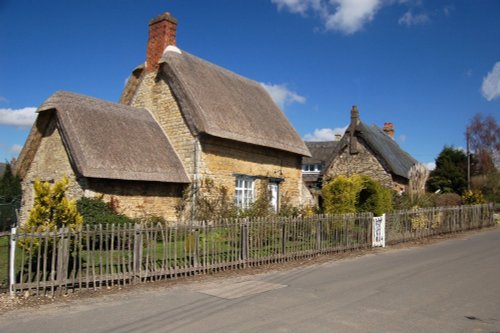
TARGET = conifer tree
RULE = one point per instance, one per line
(51, 208)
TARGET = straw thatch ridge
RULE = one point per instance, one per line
(133, 82)
(114, 141)
(220, 103)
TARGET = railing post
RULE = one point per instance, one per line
(62, 258)
(283, 238)
(244, 242)
(196, 249)
(12, 261)
(318, 234)
(137, 251)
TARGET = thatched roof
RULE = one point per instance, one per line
(221, 103)
(113, 141)
(396, 159)
(399, 161)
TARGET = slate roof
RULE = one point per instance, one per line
(223, 104)
(321, 151)
(109, 140)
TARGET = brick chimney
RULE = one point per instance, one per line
(389, 129)
(162, 31)
(353, 140)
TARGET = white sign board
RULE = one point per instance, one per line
(378, 231)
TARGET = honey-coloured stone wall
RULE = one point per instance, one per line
(365, 163)
(155, 95)
(223, 159)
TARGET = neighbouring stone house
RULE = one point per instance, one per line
(224, 127)
(313, 167)
(181, 120)
(105, 149)
(363, 149)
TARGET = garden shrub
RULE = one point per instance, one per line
(473, 197)
(406, 201)
(51, 209)
(212, 202)
(340, 194)
(373, 197)
(96, 211)
(356, 194)
(448, 199)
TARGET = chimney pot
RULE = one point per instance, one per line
(389, 129)
(162, 32)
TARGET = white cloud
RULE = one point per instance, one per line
(298, 6)
(410, 19)
(350, 15)
(18, 117)
(448, 9)
(3, 99)
(346, 16)
(281, 95)
(324, 134)
(15, 149)
(402, 138)
(430, 165)
(491, 83)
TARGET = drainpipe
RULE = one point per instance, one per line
(196, 171)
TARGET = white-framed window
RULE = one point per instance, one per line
(312, 168)
(244, 191)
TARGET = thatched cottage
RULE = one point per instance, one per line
(223, 126)
(181, 120)
(104, 149)
(363, 149)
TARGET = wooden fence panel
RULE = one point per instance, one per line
(59, 261)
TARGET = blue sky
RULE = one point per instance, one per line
(426, 65)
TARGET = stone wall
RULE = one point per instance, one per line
(223, 159)
(139, 199)
(364, 162)
(155, 95)
(50, 163)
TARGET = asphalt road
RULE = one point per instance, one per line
(450, 286)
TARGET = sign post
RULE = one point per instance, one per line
(12, 261)
(378, 231)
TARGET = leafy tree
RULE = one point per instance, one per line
(450, 174)
(51, 208)
(10, 185)
(484, 142)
